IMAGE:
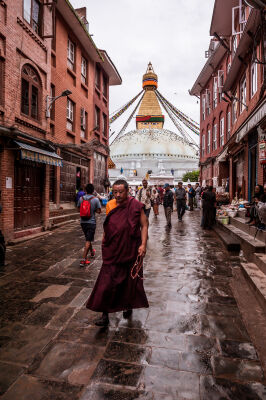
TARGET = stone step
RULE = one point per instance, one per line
(231, 243)
(239, 223)
(62, 218)
(260, 261)
(257, 280)
(249, 245)
(61, 211)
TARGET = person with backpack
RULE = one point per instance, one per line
(191, 195)
(88, 205)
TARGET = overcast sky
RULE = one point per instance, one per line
(172, 34)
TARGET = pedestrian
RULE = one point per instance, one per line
(124, 241)
(155, 201)
(181, 198)
(80, 193)
(198, 193)
(208, 208)
(144, 196)
(160, 191)
(88, 205)
(191, 195)
(168, 201)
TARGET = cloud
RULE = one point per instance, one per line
(172, 34)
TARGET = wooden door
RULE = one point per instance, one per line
(28, 194)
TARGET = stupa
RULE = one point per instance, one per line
(150, 150)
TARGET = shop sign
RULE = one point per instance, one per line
(252, 122)
(262, 151)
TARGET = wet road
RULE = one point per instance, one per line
(190, 344)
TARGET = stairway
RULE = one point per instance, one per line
(253, 269)
(59, 217)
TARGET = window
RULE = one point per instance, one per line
(203, 102)
(243, 94)
(209, 141)
(84, 68)
(228, 124)
(220, 83)
(105, 87)
(234, 108)
(97, 118)
(208, 102)
(104, 125)
(83, 123)
(30, 92)
(1, 82)
(214, 135)
(52, 109)
(70, 115)
(234, 45)
(215, 89)
(221, 131)
(203, 145)
(32, 14)
(97, 78)
(253, 79)
(70, 54)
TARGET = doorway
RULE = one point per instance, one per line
(28, 194)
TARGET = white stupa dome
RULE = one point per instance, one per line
(154, 143)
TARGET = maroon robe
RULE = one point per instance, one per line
(114, 289)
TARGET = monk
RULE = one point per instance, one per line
(125, 238)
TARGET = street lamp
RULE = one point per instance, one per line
(50, 101)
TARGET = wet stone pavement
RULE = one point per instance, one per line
(190, 344)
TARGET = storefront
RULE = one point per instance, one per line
(73, 175)
(25, 167)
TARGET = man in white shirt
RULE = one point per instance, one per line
(144, 196)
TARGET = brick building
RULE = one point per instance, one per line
(231, 87)
(45, 153)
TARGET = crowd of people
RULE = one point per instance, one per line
(119, 286)
(170, 197)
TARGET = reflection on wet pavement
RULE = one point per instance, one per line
(190, 344)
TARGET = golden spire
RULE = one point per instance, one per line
(150, 113)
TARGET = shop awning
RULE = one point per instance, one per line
(32, 153)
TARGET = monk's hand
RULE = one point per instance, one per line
(142, 250)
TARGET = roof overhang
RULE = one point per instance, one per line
(207, 71)
(242, 49)
(110, 69)
(71, 17)
(222, 17)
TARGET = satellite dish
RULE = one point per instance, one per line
(258, 4)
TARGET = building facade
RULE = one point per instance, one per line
(51, 141)
(231, 87)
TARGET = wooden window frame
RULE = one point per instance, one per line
(70, 115)
(70, 61)
(36, 26)
(84, 71)
(32, 83)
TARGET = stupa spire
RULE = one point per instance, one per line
(150, 113)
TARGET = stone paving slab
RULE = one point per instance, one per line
(190, 344)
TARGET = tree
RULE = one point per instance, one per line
(193, 176)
